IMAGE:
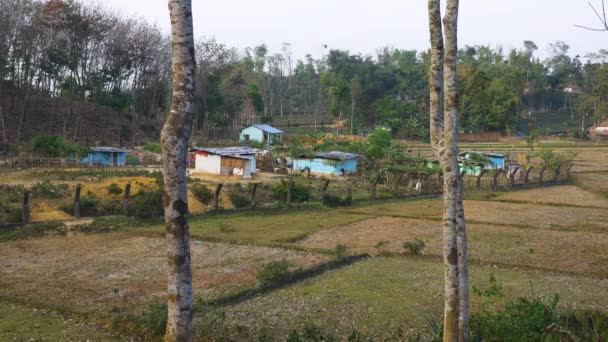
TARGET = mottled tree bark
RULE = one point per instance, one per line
(175, 137)
(444, 115)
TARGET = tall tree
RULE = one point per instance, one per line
(175, 137)
(444, 124)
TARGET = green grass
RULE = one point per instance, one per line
(18, 323)
(380, 295)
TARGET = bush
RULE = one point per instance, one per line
(300, 193)
(148, 204)
(337, 201)
(48, 189)
(202, 193)
(239, 201)
(273, 272)
(89, 207)
(340, 251)
(414, 247)
(114, 189)
(55, 146)
(132, 160)
(153, 147)
(154, 318)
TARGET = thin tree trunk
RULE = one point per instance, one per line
(175, 136)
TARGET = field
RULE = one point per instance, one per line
(96, 279)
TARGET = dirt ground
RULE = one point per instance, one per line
(566, 194)
(97, 272)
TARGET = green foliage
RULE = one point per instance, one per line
(114, 189)
(202, 193)
(239, 201)
(552, 159)
(299, 193)
(34, 230)
(154, 319)
(132, 160)
(148, 204)
(55, 146)
(256, 98)
(415, 247)
(90, 206)
(340, 251)
(47, 189)
(273, 273)
(153, 147)
(336, 201)
(378, 144)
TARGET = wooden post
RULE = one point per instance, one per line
(253, 190)
(478, 180)
(512, 176)
(216, 196)
(125, 200)
(374, 187)
(542, 174)
(324, 191)
(396, 189)
(557, 172)
(77, 202)
(495, 180)
(440, 181)
(527, 174)
(350, 189)
(290, 193)
(568, 170)
(25, 208)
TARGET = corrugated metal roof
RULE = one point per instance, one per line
(489, 154)
(241, 152)
(269, 129)
(336, 155)
(108, 149)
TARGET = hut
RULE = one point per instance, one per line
(334, 163)
(237, 160)
(263, 133)
(473, 162)
(105, 156)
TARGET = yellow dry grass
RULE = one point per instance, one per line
(566, 194)
(100, 188)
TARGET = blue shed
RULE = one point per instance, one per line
(263, 133)
(494, 161)
(107, 156)
(328, 163)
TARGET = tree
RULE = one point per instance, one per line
(444, 123)
(175, 137)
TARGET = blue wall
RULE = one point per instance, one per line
(326, 165)
(256, 134)
(105, 158)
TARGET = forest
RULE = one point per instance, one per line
(71, 52)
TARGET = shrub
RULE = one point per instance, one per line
(340, 251)
(48, 189)
(55, 146)
(153, 147)
(114, 189)
(300, 193)
(239, 201)
(154, 318)
(414, 247)
(202, 193)
(273, 272)
(89, 207)
(337, 201)
(132, 160)
(148, 204)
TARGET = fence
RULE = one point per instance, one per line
(27, 161)
(305, 192)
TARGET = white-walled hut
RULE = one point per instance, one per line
(228, 161)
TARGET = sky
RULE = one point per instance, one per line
(363, 26)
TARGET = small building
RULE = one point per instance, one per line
(600, 131)
(334, 163)
(106, 156)
(473, 162)
(227, 161)
(262, 133)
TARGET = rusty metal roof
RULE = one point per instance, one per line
(336, 155)
(242, 152)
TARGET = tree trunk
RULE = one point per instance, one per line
(175, 137)
(444, 127)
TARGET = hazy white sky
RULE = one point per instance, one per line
(365, 25)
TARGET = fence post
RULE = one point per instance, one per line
(495, 180)
(568, 170)
(216, 196)
(512, 176)
(557, 173)
(125, 200)
(374, 186)
(253, 190)
(324, 190)
(350, 189)
(440, 181)
(478, 180)
(25, 209)
(396, 189)
(290, 193)
(77, 202)
(527, 174)
(542, 174)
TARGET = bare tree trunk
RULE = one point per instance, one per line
(444, 130)
(175, 137)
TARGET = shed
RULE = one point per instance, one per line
(328, 163)
(467, 161)
(236, 160)
(262, 133)
(107, 156)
